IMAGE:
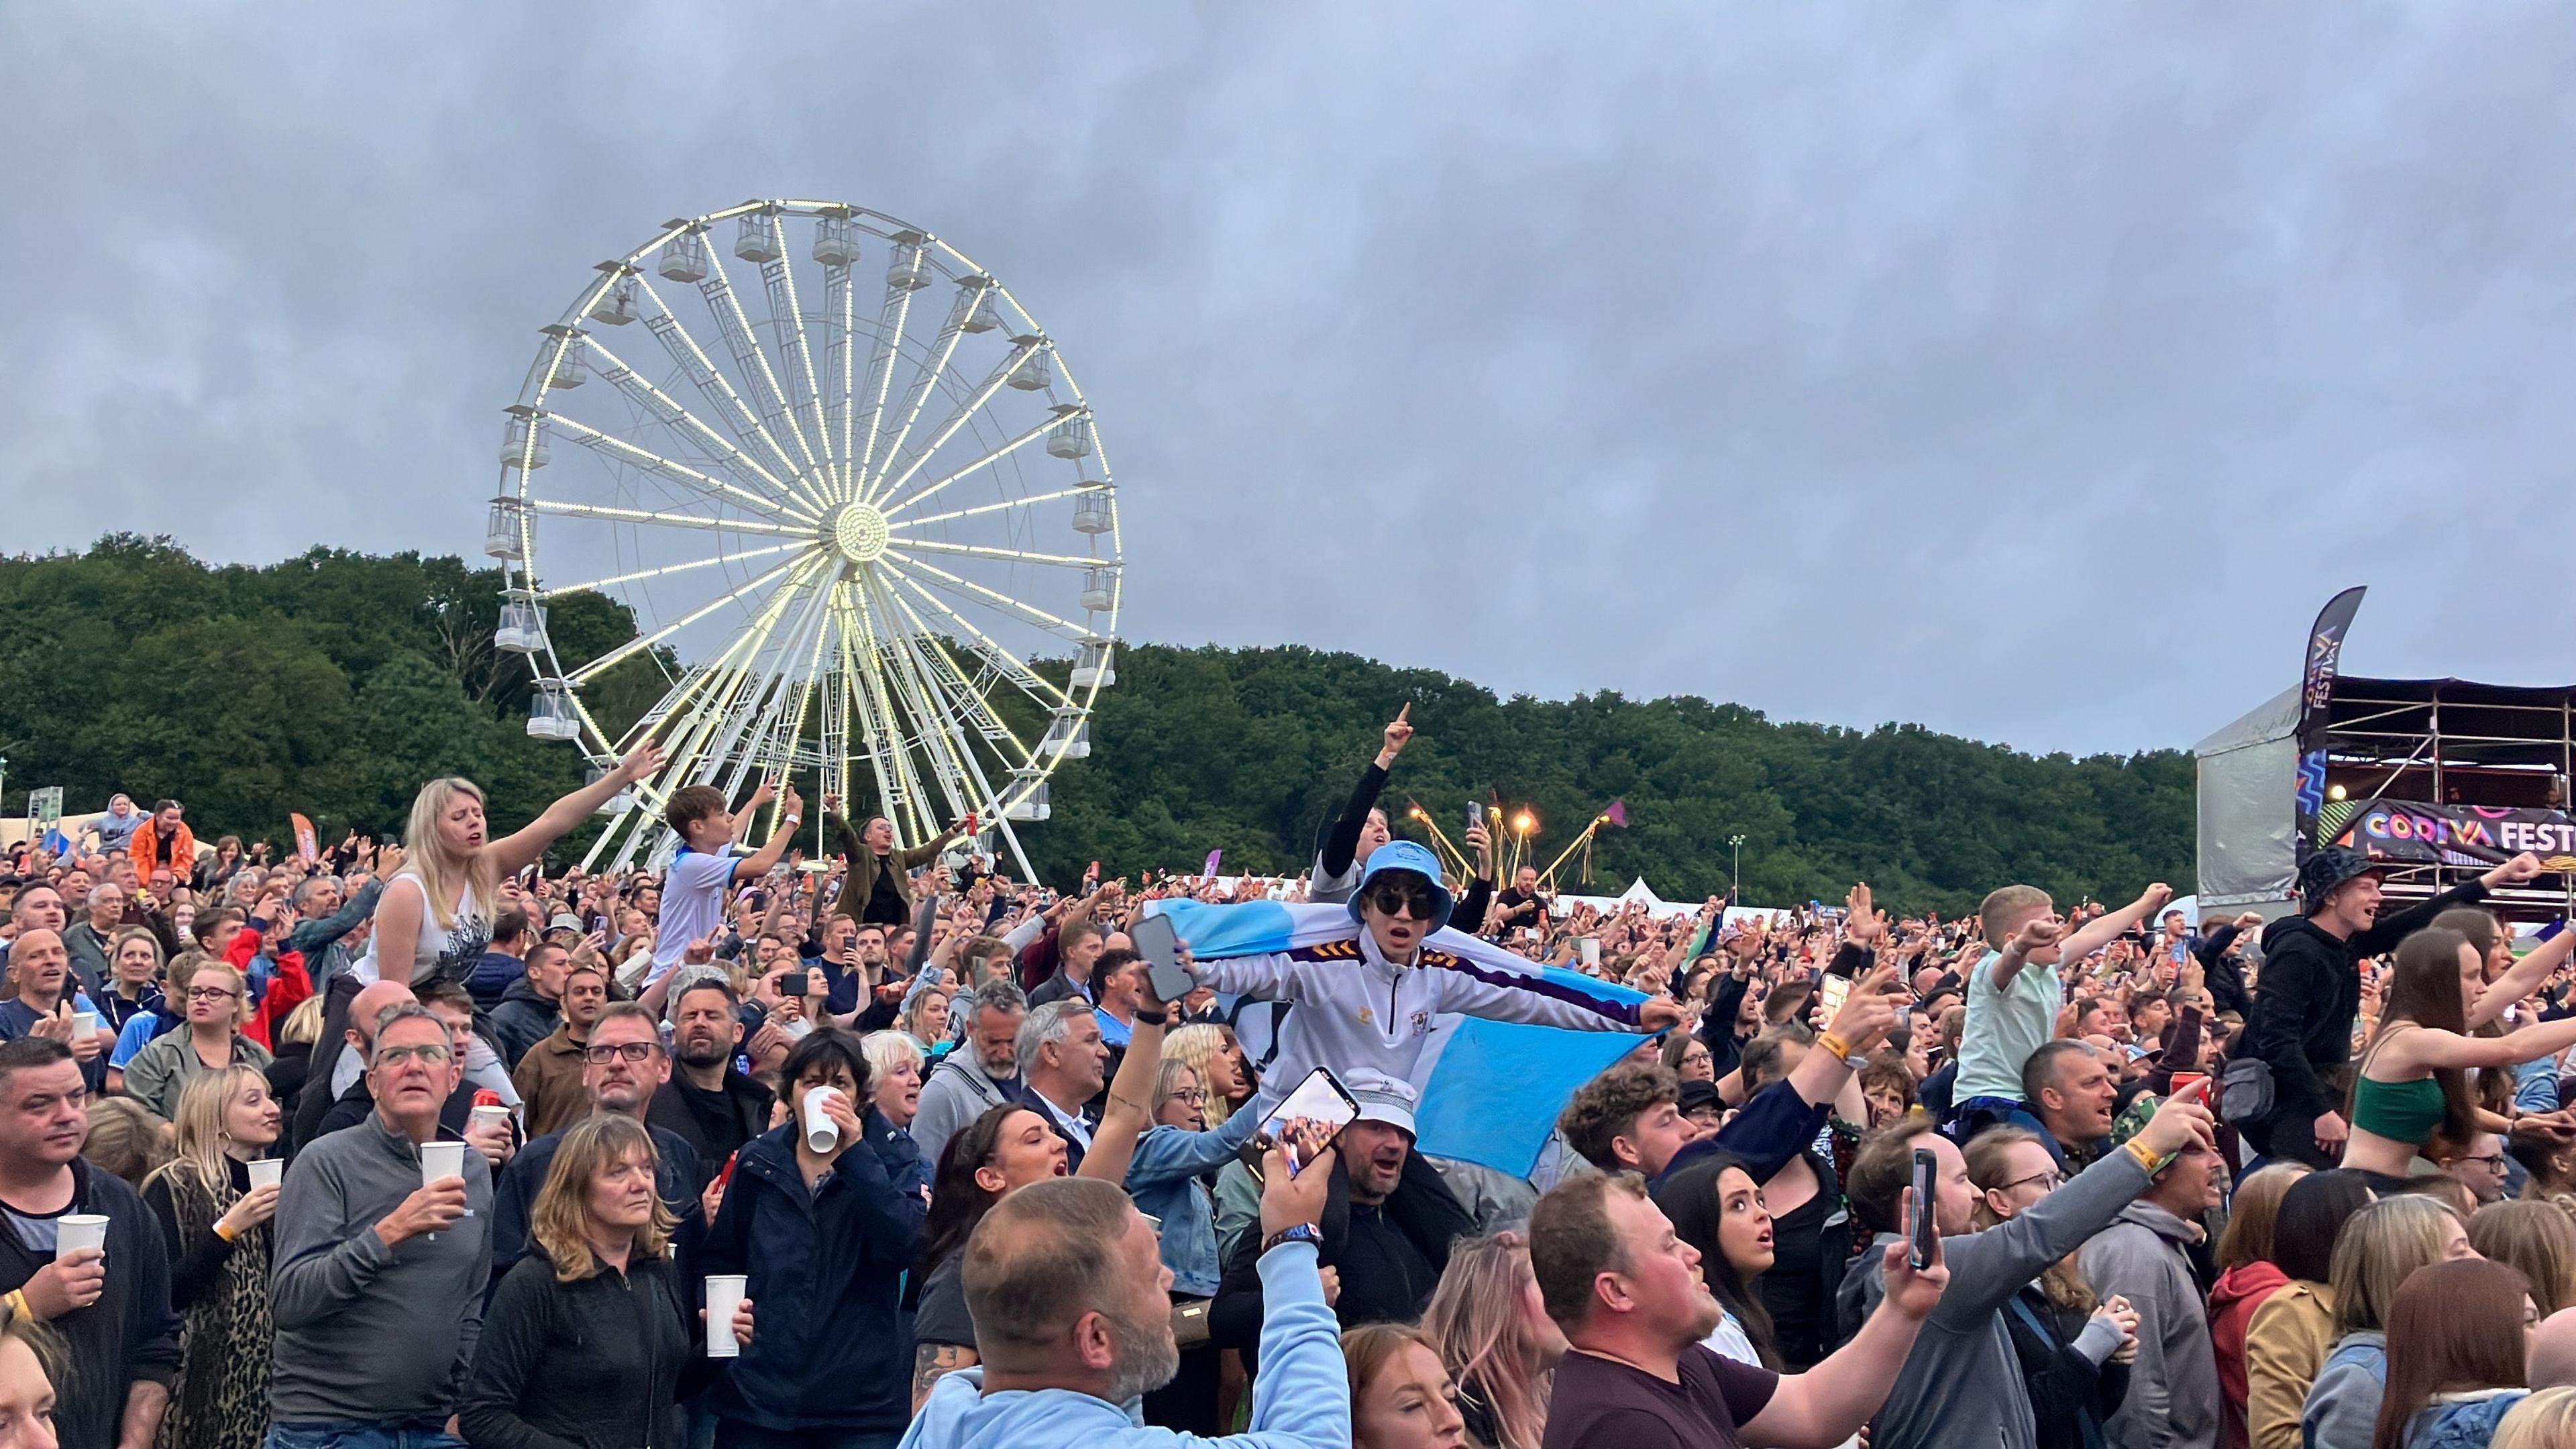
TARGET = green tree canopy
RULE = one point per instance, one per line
(335, 683)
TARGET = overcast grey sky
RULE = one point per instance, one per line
(2031, 371)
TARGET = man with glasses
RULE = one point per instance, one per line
(623, 1065)
(378, 1286)
(2481, 1169)
(1373, 1001)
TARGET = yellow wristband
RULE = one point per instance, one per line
(1834, 1044)
(18, 1305)
(223, 1230)
(2146, 1159)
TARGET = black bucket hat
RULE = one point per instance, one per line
(2328, 869)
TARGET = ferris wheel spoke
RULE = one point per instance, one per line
(840, 361)
(563, 509)
(594, 585)
(733, 324)
(780, 279)
(1028, 681)
(895, 506)
(661, 467)
(1073, 632)
(893, 315)
(964, 697)
(1014, 555)
(856, 701)
(981, 508)
(983, 394)
(647, 641)
(692, 359)
(968, 298)
(942, 732)
(685, 425)
(907, 796)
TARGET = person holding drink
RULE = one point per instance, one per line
(214, 1201)
(589, 1339)
(813, 1222)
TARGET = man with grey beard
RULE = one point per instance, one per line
(976, 1075)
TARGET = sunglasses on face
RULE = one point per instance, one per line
(1394, 900)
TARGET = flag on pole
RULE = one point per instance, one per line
(1617, 814)
(1215, 859)
(308, 848)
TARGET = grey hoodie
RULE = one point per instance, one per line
(2173, 1387)
(1962, 1383)
(957, 1091)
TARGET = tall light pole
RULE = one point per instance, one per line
(1735, 875)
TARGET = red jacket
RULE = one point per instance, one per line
(286, 990)
(2240, 1290)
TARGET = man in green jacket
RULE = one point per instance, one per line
(878, 888)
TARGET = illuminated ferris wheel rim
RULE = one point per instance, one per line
(826, 467)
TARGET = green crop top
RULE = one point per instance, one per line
(2408, 1112)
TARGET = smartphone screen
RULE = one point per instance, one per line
(1921, 1230)
(1319, 1098)
(1834, 989)
(1159, 944)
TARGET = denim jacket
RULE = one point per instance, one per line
(1163, 1178)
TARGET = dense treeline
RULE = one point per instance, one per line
(334, 683)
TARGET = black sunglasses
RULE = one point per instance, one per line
(1394, 898)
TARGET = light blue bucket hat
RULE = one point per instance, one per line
(1406, 855)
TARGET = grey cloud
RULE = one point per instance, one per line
(2033, 372)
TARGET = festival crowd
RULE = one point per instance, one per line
(396, 1146)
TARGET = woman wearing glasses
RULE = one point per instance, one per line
(2074, 1350)
(217, 1004)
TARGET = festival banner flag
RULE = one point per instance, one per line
(2325, 657)
(308, 847)
(1215, 859)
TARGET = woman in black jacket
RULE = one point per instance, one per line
(2074, 1351)
(588, 1340)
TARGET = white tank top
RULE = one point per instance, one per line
(449, 953)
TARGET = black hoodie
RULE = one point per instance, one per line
(2309, 993)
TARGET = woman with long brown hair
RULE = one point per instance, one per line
(2456, 1355)
(2381, 1247)
(2413, 1084)
(1492, 1332)
(2247, 1278)
(589, 1338)
(215, 1229)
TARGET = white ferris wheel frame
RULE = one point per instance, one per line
(814, 482)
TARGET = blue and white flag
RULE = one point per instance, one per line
(1491, 1090)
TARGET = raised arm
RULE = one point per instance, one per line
(763, 861)
(1131, 1095)
(1342, 843)
(2524, 978)
(1829, 1403)
(514, 853)
(2109, 926)
(2034, 935)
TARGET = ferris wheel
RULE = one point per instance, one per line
(867, 531)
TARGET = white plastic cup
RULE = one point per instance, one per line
(724, 1295)
(266, 1171)
(821, 1135)
(488, 1118)
(76, 1231)
(1590, 949)
(440, 1161)
(84, 1025)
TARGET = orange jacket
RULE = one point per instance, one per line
(145, 848)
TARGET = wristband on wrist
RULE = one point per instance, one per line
(225, 1230)
(1834, 1044)
(1295, 1233)
(1152, 1018)
(19, 1307)
(2146, 1158)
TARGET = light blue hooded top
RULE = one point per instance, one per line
(1302, 1399)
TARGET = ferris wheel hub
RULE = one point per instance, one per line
(859, 532)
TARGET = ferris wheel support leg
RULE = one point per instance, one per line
(1028, 872)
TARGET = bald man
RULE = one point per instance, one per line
(39, 907)
(342, 1071)
(43, 1002)
(2553, 1351)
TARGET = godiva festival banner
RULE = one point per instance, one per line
(2412, 831)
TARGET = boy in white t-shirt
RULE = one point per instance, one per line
(2014, 995)
(709, 862)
